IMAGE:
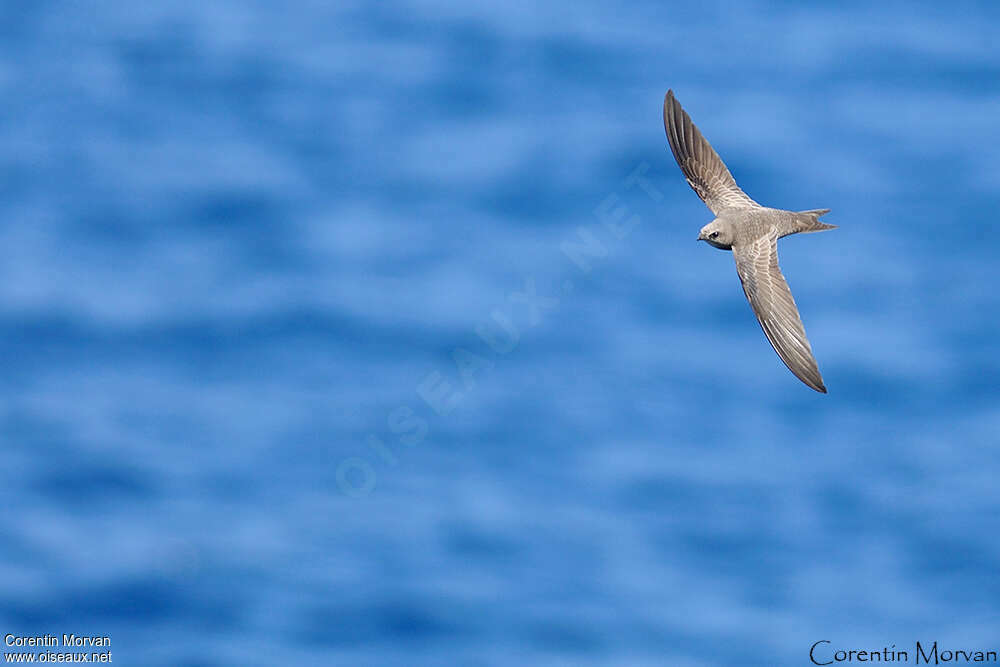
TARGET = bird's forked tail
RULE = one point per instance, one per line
(808, 221)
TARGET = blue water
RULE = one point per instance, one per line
(241, 239)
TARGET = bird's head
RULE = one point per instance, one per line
(718, 234)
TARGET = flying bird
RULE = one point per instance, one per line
(751, 232)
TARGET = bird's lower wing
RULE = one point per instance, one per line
(704, 170)
(775, 309)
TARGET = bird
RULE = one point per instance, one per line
(751, 232)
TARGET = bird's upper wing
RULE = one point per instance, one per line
(703, 168)
(772, 303)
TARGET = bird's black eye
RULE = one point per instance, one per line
(713, 235)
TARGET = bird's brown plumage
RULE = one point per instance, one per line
(753, 231)
(704, 170)
(772, 303)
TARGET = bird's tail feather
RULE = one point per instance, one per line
(808, 221)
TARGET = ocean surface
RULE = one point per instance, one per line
(355, 333)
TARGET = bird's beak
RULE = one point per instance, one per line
(700, 238)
